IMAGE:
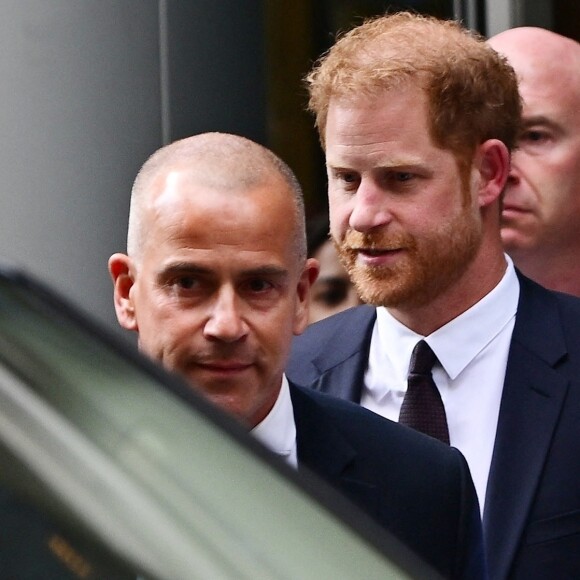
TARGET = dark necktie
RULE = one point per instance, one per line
(422, 407)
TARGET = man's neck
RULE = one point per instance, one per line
(475, 283)
(560, 272)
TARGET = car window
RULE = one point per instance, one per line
(147, 477)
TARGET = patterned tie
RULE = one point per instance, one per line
(422, 407)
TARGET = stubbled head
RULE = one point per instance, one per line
(218, 161)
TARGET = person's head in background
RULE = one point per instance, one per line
(541, 214)
(216, 280)
(333, 290)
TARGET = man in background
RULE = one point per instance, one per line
(216, 283)
(541, 212)
(417, 117)
(333, 290)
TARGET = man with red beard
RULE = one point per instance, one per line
(417, 118)
(216, 282)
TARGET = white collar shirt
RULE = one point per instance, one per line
(277, 430)
(472, 352)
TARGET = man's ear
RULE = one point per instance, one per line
(121, 273)
(493, 159)
(307, 278)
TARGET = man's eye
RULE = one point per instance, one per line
(332, 293)
(258, 285)
(533, 136)
(402, 176)
(348, 177)
(185, 282)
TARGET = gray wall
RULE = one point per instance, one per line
(88, 89)
(216, 67)
(79, 111)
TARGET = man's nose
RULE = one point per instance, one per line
(369, 209)
(514, 174)
(225, 321)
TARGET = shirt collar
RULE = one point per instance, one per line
(277, 430)
(458, 342)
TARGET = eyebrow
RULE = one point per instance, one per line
(266, 271)
(390, 163)
(193, 268)
(538, 120)
(179, 267)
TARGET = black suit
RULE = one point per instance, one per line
(415, 486)
(532, 507)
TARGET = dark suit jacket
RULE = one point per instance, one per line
(532, 509)
(415, 486)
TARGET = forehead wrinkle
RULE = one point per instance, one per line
(374, 160)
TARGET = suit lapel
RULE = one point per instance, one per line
(532, 399)
(324, 450)
(342, 369)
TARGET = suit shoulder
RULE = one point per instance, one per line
(334, 327)
(570, 306)
(534, 293)
(378, 436)
(543, 313)
(330, 342)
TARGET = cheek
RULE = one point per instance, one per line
(163, 328)
(275, 335)
(567, 172)
(339, 211)
(553, 170)
(339, 224)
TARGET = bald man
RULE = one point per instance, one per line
(216, 282)
(541, 214)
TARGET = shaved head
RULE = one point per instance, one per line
(216, 161)
(537, 46)
(541, 57)
(541, 209)
(216, 282)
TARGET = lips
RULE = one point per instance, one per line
(512, 211)
(513, 207)
(225, 366)
(377, 256)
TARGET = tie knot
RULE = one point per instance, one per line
(422, 359)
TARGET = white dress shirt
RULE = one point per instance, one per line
(472, 351)
(277, 430)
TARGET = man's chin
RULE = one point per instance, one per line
(379, 295)
(393, 292)
(226, 401)
(514, 240)
(376, 286)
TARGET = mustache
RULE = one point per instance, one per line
(354, 240)
(222, 354)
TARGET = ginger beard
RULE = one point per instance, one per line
(429, 265)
